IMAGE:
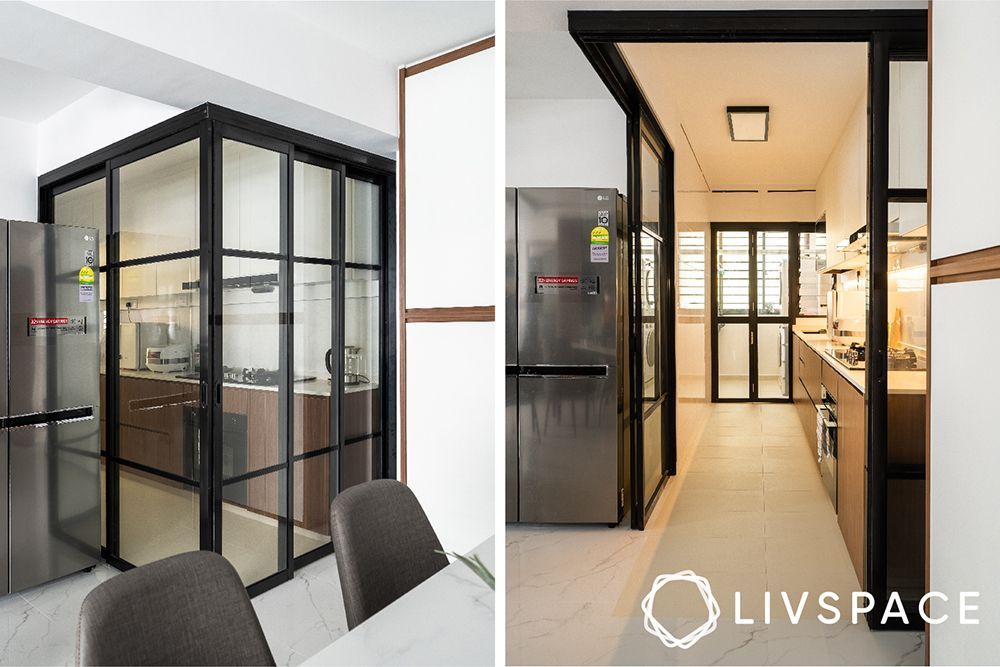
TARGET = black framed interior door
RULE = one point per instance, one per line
(755, 268)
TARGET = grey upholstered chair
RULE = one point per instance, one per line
(384, 543)
(189, 609)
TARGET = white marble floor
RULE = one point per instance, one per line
(299, 617)
(748, 511)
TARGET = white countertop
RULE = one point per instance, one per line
(900, 382)
(321, 386)
(446, 620)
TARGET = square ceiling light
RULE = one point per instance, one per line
(748, 123)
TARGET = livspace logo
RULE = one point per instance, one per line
(861, 603)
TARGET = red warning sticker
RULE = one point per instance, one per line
(57, 326)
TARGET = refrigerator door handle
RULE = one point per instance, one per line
(42, 419)
(563, 371)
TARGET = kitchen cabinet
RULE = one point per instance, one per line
(851, 465)
(151, 422)
(908, 124)
(812, 372)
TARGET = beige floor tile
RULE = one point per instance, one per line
(801, 466)
(711, 501)
(726, 465)
(787, 453)
(732, 480)
(715, 524)
(729, 452)
(806, 482)
(796, 501)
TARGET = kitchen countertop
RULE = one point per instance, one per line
(900, 382)
(318, 387)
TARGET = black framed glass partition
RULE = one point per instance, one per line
(760, 285)
(248, 299)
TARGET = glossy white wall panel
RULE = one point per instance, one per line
(965, 134)
(450, 191)
(965, 458)
(450, 427)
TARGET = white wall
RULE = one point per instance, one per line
(18, 186)
(842, 189)
(965, 455)
(97, 119)
(566, 143)
(450, 249)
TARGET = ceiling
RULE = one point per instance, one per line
(399, 32)
(811, 90)
(31, 95)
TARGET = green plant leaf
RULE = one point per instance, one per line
(475, 564)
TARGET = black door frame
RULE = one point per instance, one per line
(895, 34)
(647, 131)
(209, 124)
(753, 319)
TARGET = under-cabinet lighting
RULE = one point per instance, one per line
(748, 123)
(910, 279)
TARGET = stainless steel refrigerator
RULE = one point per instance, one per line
(50, 440)
(564, 440)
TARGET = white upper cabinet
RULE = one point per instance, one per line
(908, 124)
(313, 203)
(159, 198)
(251, 197)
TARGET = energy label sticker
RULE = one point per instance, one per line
(86, 284)
(599, 245)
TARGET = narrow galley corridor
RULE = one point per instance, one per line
(748, 511)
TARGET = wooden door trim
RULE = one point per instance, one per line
(981, 264)
(414, 315)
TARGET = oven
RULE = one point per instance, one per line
(826, 442)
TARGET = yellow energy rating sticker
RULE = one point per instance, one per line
(86, 285)
(599, 235)
(86, 276)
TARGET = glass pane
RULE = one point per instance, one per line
(733, 267)
(313, 230)
(160, 203)
(734, 361)
(361, 461)
(651, 329)
(905, 527)
(313, 317)
(361, 329)
(652, 444)
(813, 286)
(158, 517)
(85, 206)
(772, 273)
(907, 124)
(362, 225)
(254, 512)
(772, 360)
(650, 188)
(312, 502)
(251, 197)
(158, 362)
(250, 360)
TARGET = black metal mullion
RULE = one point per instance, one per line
(212, 319)
(286, 361)
(876, 345)
(634, 254)
(387, 330)
(339, 303)
(112, 483)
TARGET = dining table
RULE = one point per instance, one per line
(448, 619)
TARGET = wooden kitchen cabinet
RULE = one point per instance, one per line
(851, 464)
(812, 371)
(151, 422)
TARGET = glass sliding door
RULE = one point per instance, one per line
(651, 426)
(756, 284)
(154, 273)
(316, 320)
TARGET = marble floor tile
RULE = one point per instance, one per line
(748, 522)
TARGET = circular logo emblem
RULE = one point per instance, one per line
(655, 628)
